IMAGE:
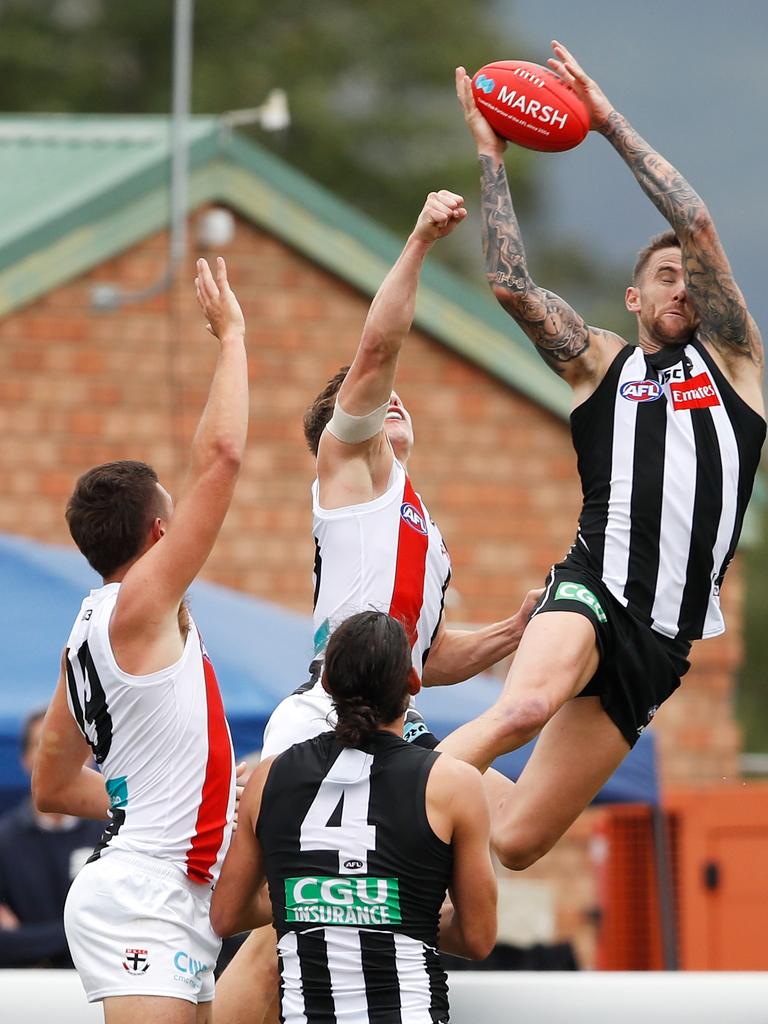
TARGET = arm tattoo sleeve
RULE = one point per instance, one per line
(558, 333)
(665, 187)
(712, 290)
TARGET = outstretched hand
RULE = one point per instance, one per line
(217, 300)
(565, 65)
(442, 211)
(522, 616)
(486, 139)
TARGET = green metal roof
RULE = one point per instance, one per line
(78, 190)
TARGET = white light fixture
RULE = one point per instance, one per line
(273, 115)
(215, 229)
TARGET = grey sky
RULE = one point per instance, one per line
(691, 77)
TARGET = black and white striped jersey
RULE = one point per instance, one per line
(357, 878)
(667, 455)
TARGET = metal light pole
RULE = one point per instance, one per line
(108, 296)
(182, 89)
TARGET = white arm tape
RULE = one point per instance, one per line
(356, 429)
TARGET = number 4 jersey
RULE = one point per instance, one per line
(356, 878)
(161, 741)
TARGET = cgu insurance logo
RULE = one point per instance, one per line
(354, 901)
(641, 390)
(568, 591)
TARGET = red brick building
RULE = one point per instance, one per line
(85, 203)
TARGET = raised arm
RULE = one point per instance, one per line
(725, 322)
(153, 587)
(349, 472)
(580, 354)
(371, 376)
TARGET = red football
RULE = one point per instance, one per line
(529, 105)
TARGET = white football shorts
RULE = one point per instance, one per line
(138, 926)
(309, 711)
(301, 716)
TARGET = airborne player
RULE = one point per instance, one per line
(668, 435)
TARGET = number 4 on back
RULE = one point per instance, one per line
(349, 783)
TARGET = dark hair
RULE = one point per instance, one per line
(666, 240)
(29, 723)
(367, 665)
(110, 512)
(321, 410)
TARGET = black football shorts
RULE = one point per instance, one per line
(638, 668)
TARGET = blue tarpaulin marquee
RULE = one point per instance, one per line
(261, 653)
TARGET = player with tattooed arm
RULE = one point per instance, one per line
(668, 434)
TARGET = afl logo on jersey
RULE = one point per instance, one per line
(641, 390)
(413, 517)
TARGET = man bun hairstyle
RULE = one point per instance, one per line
(367, 666)
(111, 510)
(666, 240)
(321, 410)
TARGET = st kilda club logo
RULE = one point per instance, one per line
(136, 961)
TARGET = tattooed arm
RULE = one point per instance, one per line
(557, 331)
(713, 293)
(725, 323)
(580, 354)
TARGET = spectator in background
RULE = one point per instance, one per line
(40, 854)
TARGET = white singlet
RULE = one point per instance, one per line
(162, 743)
(384, 555)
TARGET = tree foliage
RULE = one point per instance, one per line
(370, 89)
(370, 85)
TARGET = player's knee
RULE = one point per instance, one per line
(523, 716)
(518, 849)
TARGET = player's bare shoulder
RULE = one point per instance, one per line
(740, 356)
(352, 474)
(451, 782)
(586, 375)
(254, 788)
(606, 345)
(456, 800)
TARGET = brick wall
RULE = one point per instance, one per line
(78, 387)
(498, 473)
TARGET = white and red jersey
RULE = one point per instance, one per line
(162, 743)
(382, 555)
